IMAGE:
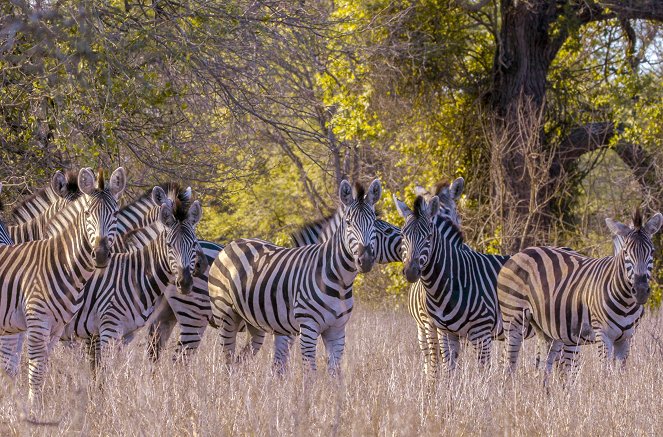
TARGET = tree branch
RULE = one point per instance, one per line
(471, 6)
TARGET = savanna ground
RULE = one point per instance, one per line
(381, 392)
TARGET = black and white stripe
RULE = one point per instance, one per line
(453, 295)
(569, 299)
(41, 281)
(290, 291)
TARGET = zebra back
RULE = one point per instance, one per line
(36, 204)
(388, 236)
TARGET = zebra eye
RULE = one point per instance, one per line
(87, 213)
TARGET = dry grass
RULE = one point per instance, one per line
(382, 392)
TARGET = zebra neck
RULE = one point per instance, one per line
(35, 228)
(70, 242)
(618, 285)
(150, 272)
(136, 215)
(339, 259)
(446, 244)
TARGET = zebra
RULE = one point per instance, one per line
(119, 299)
(569, 299)
(304, 290)
(453, 287)
(41, 281)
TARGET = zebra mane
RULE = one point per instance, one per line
(439, 186)
(100, 180)
(419, 205)
(360, 192)
(181, 208)
(637, 219)
(312, 225)
(173, 191)
(46, 193)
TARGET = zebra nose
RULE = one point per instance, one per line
(365, 258)
(641, 288)
(412, 273)
(101, 252)
(184, 281)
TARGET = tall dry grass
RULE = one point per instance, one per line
(381, 392)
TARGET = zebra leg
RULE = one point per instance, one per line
(229, 323)
(10, 350)
(606, 348)
(257, 338)
(432, 351)
(423, 346)
(162, 323)
(483, 347)
(282, 344)
(622, 349)
(93, 347)
(515, 332)
(308, 341)
(334, 340)
(38, 337)
(569, 359)
(189, 339)
(450, 351)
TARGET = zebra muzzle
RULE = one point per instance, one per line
(101, 253)
(184, 281)
(641, 289)
(411, 273)
(365, 259)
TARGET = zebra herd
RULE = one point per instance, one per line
(76, 265)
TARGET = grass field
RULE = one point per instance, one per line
(381, 392)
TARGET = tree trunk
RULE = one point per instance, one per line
(516, 102)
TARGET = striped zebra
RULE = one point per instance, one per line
(453, 295)
(119, 299)
(305, 290)
(568, 299)
(41, 281)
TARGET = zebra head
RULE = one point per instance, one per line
(179, 221)
(417, 234)
(100, 210)
(448, 194)
(636, 247)
(358, 221)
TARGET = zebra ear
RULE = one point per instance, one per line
(159, 196)
(345, 193)
(186, 196)
(619, 229)
(195, 213)
(86, 180)
(654, 224)
(166, 214)
(402, 208)
(457, 188)
(421, 191)
(433, 206)
(374, 192)
(118, 182)
(59, 184)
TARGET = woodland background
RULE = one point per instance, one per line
(552, 111)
